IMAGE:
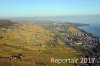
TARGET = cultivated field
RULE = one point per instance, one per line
(36, 44)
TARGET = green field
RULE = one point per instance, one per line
(36, 44)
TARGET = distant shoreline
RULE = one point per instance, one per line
(84, 31)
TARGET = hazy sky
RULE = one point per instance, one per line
(34, 8)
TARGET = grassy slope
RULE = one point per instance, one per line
(73, 30)
(26, 39)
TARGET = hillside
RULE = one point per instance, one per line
(74, 30)
(36, 43)
(6, 23)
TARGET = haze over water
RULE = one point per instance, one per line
(93, 28)
(93, 21)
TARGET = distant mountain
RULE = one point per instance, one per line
(6, 23)
(74, 19)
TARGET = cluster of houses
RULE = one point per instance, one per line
(82, 42)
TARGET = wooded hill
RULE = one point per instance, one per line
(6, 23)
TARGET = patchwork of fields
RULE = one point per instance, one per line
(36, 43)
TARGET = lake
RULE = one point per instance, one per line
(92, 28)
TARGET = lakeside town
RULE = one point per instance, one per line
(77, 38)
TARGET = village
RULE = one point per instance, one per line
(79, 39)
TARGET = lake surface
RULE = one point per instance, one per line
(92, 28)
(93, 20)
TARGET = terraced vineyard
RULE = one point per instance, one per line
(36, 43)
